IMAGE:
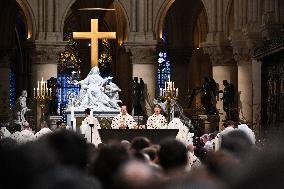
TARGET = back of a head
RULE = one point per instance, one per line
(135, 175)
(70, 148)
(173, 154)
(60, 177)
(237, 143)
(109, 160)
(139, 143)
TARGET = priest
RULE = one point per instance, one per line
(157, 120)
(183, 134)
(123, 120)
(26, 134)
(89, 128)
(44, 130)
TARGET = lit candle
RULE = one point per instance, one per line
(161, 92)
(177, 92)
(37, 91)
(49, 91)
(72, 113)
(74, 124)
(173, 85)
(34, 92)
(165, 85)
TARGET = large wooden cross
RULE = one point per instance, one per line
(94, 35)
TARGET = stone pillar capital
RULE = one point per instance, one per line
(42, 52)
(141, 53)
(220, 54)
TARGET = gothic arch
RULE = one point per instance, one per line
(117, 5)
(29, 18)
(160, 18)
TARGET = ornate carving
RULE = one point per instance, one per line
(219, 55)
(46, 53)
(141, 53)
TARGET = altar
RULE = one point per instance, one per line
(104, 118)
(156, 136)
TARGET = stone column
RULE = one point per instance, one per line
(245, 90)
(5, 62)
(144, 66)
(44, 63)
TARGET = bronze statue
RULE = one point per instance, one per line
(228, 98)
(138, 96)
(53, 105)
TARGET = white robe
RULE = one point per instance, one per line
(26, 136)
(91, 134)
(16, 136)
(248, 131)
(5, 132)
(157, 122)
(218, 138)
(42, 132)
(123, 119)
(183, 134)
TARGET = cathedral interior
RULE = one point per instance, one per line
(241, 41)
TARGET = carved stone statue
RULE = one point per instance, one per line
(53, 105)
(21, 108)
(138, 96)
(97, 93)
(228, 98)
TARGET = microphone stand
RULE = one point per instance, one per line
(91, 125)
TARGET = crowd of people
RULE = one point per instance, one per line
(64, 159)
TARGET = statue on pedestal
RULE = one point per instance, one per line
(228, 98)
(53, 105)
(21, 108)
(98, 93)
(138, 96)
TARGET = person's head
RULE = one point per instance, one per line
(157, 109)
(109, 160)
(123, 109)
(228, 124)
(44, 124)
(225, 83)
(24, 93)
(87, 112)
(62, 126)
(69, 147)
(58, 123)
(172, 155)
(136, 79)
(151, 152)
(237, 143)
(135, 175)
(139, 143)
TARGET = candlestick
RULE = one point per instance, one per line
(177, 92)
(72, 113)
(74, 124)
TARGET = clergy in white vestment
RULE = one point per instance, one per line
(227, 128)
(43, 131)
(183, 134)
(17, 133)
(89, 128)
(248, 131)
(157, 120)
(26, 134)
(123, 120)
(4, 132)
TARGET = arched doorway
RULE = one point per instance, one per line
(113, 59)
(184, 29)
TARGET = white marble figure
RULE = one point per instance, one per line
(97, 93)
(21, 107)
